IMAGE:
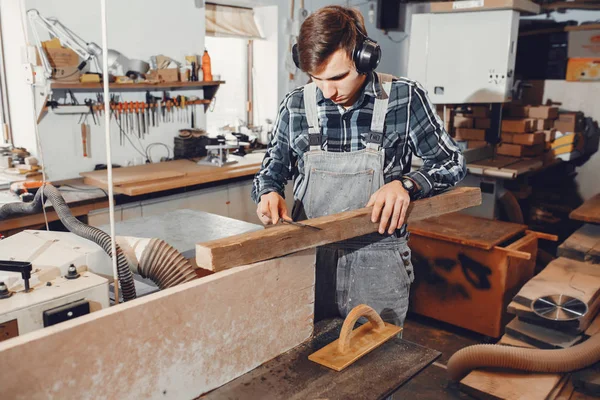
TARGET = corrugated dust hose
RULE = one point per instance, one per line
(532, 360)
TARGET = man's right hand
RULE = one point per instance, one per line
(272, 207)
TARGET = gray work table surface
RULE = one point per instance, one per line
(183, 229)
(293, 376)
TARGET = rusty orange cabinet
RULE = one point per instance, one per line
(468, 269)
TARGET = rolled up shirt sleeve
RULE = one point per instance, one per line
(443, 163)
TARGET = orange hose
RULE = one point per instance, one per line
(532, 360)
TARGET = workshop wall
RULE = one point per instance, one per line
(137, 29)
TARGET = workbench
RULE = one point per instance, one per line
(81, 199)
(151, 178)
(293, 376)
(490, 174)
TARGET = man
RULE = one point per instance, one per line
(347, 139)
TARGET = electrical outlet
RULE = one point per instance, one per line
(29, 74)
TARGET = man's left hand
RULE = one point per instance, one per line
(390, 202)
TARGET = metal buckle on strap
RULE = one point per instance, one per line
(375, 137)
(314, 139)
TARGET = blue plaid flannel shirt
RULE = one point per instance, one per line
(412, 126)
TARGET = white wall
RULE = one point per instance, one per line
(138, 29)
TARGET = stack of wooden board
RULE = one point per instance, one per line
(564, 276)
(470, 125)
(527, 129)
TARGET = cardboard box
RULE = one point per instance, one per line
(584, 41)
(543, 112)
(59, 57)
(569, 122)
(469, 134)
(487, 5)
(583, 69)
(527, 139)
(483, 123)
(164, 75)
(463, 122)
(517, 125)
(66, 75)
(475, 144)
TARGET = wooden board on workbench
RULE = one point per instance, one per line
(541, 337)
(466, 229)
(149, 178)
(282, 239)
(496, 162)
(567, 277)
(184, 341)
(582, 245)
(504, 165)
(589, 211)
(293, 376)
(497, 384)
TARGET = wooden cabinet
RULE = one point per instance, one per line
(468, 269)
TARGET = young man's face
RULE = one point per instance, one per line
(339, 80)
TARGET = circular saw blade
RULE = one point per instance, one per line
(559, 307)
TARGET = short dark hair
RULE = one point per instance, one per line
(327, 30)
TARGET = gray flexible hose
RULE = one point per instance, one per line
(77, 227)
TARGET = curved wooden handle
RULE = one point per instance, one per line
(361, 310)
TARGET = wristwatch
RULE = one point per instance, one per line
(409, 185)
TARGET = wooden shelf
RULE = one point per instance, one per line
(137, 86)
(571, 5)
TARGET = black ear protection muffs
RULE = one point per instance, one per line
(366, 54)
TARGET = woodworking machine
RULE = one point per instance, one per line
(51, 277)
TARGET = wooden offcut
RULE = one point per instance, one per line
(543, 112)
(463, 122)
(541, 337)
(354, 344)
(501, 385)
(178, 343)
(589, 211)
(469, 134)
(523, 125)
(582, 245)
(518, 150)
(523, 138)
(231, 252)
